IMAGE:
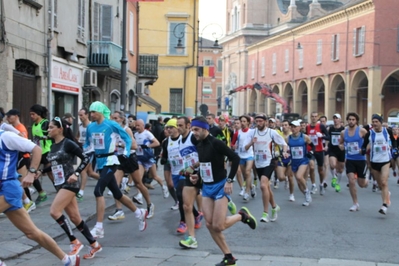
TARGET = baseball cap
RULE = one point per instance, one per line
(261, 116)
(68, 115)
(295, 123)
(337, 116)
(272, 120)
(172, 123)
(13, 112)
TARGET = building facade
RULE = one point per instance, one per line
(344, 61)
(171, 21)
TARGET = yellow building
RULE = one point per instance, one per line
(161, 26)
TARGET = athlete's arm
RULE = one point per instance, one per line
(341, 141)
(8, 127)
(73, 148)
(134, 143)
(233, 157)
(164, 157)
(323, 130)
(124, 136)
(279, 140)
(310, 143)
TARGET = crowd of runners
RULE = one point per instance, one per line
(201, 159)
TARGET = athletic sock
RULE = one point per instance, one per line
(81, 192)
(26, 200)
(99, 225)
(172, 193)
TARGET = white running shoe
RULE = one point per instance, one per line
(308, 199)
(265, 218)
(322, 190)
(246, 197)
(165, 192)
(292, 198)
(2, 263)
(175, 207)
(242, 192)
(142, 220)
(138, 199)
(354, 208)
(313, 189)
(151, 211)
(253, 191)
(109, 193)
(274, 213)
(383, 210)
(74, 260)
(97, 232)
(32, 191)
(118, 215)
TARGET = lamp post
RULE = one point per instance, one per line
(123, 59)
(180, 50)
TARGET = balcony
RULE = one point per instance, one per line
(148, 66)
(104, 56)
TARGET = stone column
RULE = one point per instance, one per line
(329, 99)
(374, 104)
(311, 103)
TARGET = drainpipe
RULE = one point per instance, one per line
(49, 59)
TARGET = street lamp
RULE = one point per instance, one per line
(180, 49)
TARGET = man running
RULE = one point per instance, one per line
(336, 155)
(395, 150)
(211, 152)
(351, 140)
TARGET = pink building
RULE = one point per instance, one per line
(344, 61)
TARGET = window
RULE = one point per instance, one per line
(263, 67)
(319, 51)
(287, 58)
(359, 40)
(206, 90)
(220, 65)
(81, 19)
(131, 32)
(208, 62)
(253, 69)
(300, 55)
(176, 101)
(54, 15)
(177, 29)
(102, 26)
(274, 64)
(219, 91)
(335, 47)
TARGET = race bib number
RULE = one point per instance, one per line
(58, 173)
(297, 153)
(139, 151)
(353, 148)
(175, 159)
(260, 155)
(190, 159)
(335, 140)
(98, 140)
(314, 139)
(206, 172)
(380, 148)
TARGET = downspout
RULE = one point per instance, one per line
(49, 59)
(138, 54)
(193, 62)
(3, 38)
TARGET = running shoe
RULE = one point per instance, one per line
(182, 228)
(93, 249)
(118, 215)
(32, 190)
(337, 188)
(292, 198)
(41, 198)
(29, 207)
(143, 220)
(322, 190)
(246, 197)
(334, 181)
(2, 263)
(383, 210)
(308, 199)
(138, 199)
(189, 242)
(109, 193)
(265, 217)
(253, 191)
(126, 189)
(131, 184)
(354, 208)
(274, 213)
(286, 185)
(249, 219)
(242, 192)
(397, 182)
(149, 186)
(232, 207)
(175, 207)
(74, 260)
(151, 211)
(394, 173)
(79, 197)
(375, 187)
(227, 262)
(198, 220)
(276, 182)
(165, 192)
(313, 190)
(75, 246)
(325, 184)
(97, 232)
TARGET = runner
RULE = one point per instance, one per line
(101, 138)
(265, 162)
(11, 193)
(66, 182)
(336, 155)
(323, 121)
(298, 143)
(351, 141)
(395, 151)
(237, 127)
(212, 174)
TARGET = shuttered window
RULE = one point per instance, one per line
(81, 19)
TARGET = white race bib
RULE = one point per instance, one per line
(98, 140)
(190, 159)
(297, 153)
(353, 148)
(335, 140)
(314, 139)
(260, 155)
(206, 172)
(58, 173)
(380, 148)
(139, 151)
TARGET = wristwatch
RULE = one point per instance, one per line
(229, 180)
(32, 170)
(77, 174)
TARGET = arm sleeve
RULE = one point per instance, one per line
(165, 149)
(73, 148)
(45, 127)
(366, 140)
(233, 157)
(325, 132)
(7, 127)
(124, 136)
(16, 143)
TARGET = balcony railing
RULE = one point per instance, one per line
(148, 66)
(104, 54)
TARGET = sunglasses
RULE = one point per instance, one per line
(59, 121)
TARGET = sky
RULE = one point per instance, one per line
(212, 17)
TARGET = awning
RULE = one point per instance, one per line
(151, 102)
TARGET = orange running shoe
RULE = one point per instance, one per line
(76, 247)
(93, 249)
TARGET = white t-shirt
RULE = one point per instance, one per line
(380, 148)
(243, 139)
(143, 138)
(263, 147)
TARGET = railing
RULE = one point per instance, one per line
(148, 66)
(104, 54)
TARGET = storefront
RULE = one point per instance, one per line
(66, 88)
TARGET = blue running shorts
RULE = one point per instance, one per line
(214, 191)
(12, 191)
